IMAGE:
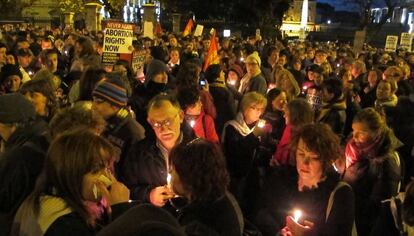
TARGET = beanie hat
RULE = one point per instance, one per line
(22, 52)
(254, 58)
(112, 91)
(154, 68)
(315, 68)
(15, 108)
(9, 70)
(237, 69)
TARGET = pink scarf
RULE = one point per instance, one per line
(355, 152)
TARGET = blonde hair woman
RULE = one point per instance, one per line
(286, 81)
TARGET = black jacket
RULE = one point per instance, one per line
(72, 224)
(145, 168)
(122, 130)
(334, 115)
(225, 105)
(281, 196)
(20, 165)
(373, 180)
(217, 217)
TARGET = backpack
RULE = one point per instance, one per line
(331, 201)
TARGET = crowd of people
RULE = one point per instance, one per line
(277, 138)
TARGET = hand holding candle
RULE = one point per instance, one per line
(294, 228)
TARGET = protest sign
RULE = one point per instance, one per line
(117, 42)
(199, 30)
(391, 43)
(406, 41)
(149, 29)
(359, 40)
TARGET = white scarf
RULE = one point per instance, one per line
(239, 124)
(28, 224)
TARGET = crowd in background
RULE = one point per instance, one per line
(170, 145)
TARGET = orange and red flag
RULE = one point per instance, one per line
(212, 55)
(188, 28)
(158, 29)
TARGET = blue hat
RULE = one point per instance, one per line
(112, 91)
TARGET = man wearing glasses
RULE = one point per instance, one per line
(254, 79)
(145, 169)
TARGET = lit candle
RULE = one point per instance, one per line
(192, 123)
(261, 123)
(232, 82)
(169, 181)
(296, 215)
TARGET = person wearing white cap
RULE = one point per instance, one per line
(254, 79)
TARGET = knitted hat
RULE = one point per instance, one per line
(154, 68)
(254, 58)
(237, 69)
(22, 52)
(112, 91)
(9, 70)
(315, 68)
(15, 108)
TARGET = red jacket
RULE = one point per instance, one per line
(204, 128)
(282, 154)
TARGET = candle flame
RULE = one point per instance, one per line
(169, 179)
(261, 123)
(297, 214)
(192, 123)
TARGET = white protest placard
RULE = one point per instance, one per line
(391, 43)
(118, 37)
(406, 41)
(149, 29)
(302, 35)
(199, 30)
(359, 40)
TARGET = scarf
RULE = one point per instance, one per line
(392, 102)
(27, 223)
(239, 124)
(355, 152)
(327, 107)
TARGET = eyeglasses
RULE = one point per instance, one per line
(166, 123)
(251, 63)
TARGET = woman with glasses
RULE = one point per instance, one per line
(241, 138)
(308, 199)
(75, 194)
(211, 209)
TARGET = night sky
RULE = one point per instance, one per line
(340, 5)
(345, 5)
